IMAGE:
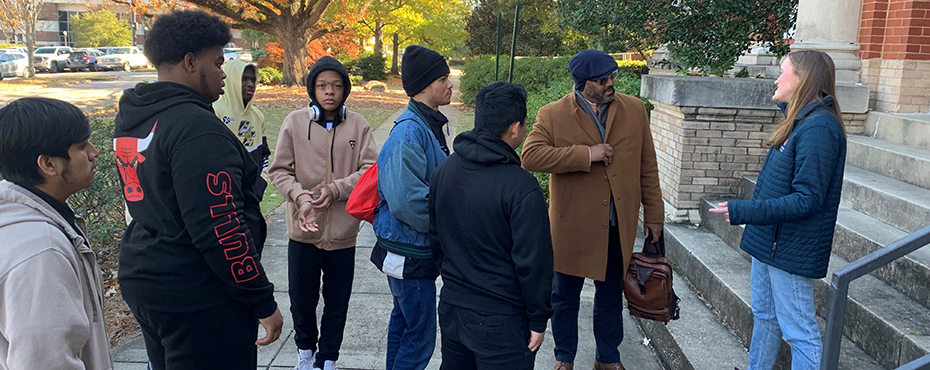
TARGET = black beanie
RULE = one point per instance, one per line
(421, 66)
(327, 63)
(590, 65)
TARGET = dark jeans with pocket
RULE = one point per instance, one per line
(307, 266)
(221, 338)
(608, 309)
(477, 340)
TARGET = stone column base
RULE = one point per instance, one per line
(844, 58)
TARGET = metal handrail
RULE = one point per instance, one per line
(839, 290)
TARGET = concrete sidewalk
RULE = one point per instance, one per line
(371, 303)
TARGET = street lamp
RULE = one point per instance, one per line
(65, 33)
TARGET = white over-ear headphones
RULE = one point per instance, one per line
(316, 114)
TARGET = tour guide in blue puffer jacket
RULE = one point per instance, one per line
(792, 214)
(790, 220)
(413, 150)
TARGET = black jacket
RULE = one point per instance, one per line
(197, 229)
(489, 231)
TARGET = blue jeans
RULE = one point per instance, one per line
(412, 331)
(787, 310)
(608, 309)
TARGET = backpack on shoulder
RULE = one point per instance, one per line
(648, 284)
(364, 198)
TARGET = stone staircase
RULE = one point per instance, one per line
(886, 195)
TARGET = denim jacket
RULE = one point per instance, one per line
(405, 164)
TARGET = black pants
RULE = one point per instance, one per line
(305, 263)
(485, 341)
(221, 338)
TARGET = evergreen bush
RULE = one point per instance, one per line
(101, 205)
(269, 76)
(372, 66)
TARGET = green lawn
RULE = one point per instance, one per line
(273, 119)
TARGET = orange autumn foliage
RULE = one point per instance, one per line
(342, 43)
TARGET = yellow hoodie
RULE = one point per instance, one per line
(244, 120)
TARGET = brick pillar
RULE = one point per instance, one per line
(895, 41)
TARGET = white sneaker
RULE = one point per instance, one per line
(329, 365)
(305, 360)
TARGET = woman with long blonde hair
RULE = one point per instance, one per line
(791, 217)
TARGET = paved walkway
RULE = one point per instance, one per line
(370, 307)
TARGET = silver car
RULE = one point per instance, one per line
(13, 64)
(237, 53)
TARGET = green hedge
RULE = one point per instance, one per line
(101, 204)
(372, 67)
(269, 76)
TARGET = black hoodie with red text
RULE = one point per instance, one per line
(197, 230)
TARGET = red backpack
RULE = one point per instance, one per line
(364, 198)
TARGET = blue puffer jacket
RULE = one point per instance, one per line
(790, 220)
(405, 164)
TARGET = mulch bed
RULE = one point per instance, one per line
(295, 97)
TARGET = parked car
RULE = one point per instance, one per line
(14, 49)
(84, 59)
(237, 53)
(125, 58)
(51, 58)
(13, 64)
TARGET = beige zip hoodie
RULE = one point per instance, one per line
(307, 154)
(51, 302)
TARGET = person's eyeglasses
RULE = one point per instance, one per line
(611, 77)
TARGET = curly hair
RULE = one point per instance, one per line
(178, 33)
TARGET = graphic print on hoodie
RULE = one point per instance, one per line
(197, 233)
(244, 120)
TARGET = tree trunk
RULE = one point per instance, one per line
(396, 46)
(295, 56)
(30, 50)
(379, 44)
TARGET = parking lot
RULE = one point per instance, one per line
(88, 96)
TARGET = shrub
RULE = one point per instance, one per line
(635, 68)
(273, 56)
(101, 204)
(257, 54)
(355, 80)
(534, 73)
(372, 66)
(269, 76)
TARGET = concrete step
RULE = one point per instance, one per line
(907, 129)
(747, 187)
(884, 334)
(898, 161)
(721, 276)
(894, 202)
(860, 233)
(696, 341)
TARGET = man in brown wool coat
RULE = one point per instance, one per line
(599, 150)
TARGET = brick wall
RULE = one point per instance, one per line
(704, 152)
(894, 41)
